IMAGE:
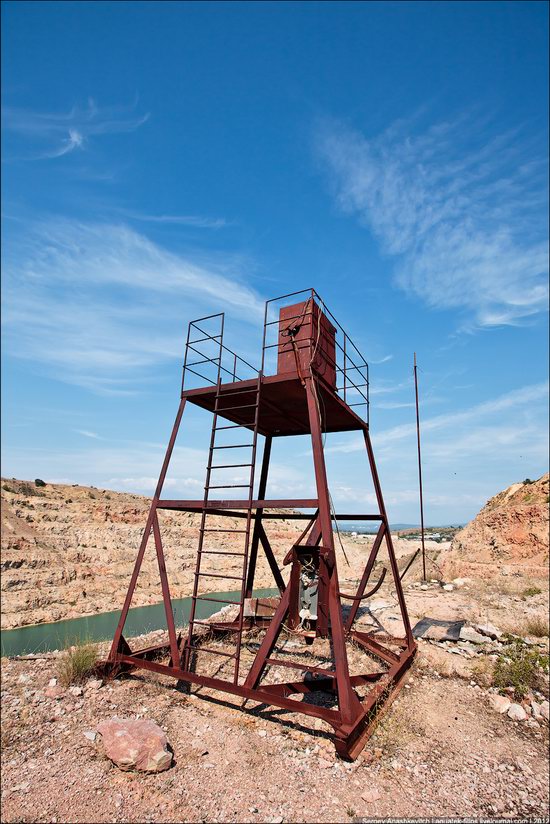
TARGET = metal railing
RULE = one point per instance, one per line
(351, 368)
(206, 352)
(204, 348)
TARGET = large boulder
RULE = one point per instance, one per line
(135, 744)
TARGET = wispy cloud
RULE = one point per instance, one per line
(194, 221)
(87, 434)
(394, 405)
(385, 359)
(474, 415)
(467, 456)
(53, 135)
(102, 306)
(73, 141)
(463, 212)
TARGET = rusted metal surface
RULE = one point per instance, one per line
(303, 397)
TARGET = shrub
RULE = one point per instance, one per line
(527, 593)
(537, 626)
(528, 481)
(519, 666)
(39, 482)
(77, 664)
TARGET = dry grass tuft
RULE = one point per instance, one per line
(537, 626)
(534, 625)
(77, 664)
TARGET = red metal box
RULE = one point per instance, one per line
(306, 335)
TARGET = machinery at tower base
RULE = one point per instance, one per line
(348, 673)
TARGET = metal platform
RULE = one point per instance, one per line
(283, 405)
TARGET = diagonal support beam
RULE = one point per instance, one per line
(146, 533)
(270, 639)
(272, 561)
(366, 575)
(165, 592)
(262, 486)
(389, 543)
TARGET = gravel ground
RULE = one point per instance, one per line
(440, 751)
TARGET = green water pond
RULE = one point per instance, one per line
(101, 627)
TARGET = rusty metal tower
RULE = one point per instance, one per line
(320, 386)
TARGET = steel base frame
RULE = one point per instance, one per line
(353, 720)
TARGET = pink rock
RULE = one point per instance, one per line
(516, 712)
(138, 744)
(499, 703)
(54, 692)
(371, 795)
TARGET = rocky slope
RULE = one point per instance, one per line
(508, 536)
(69, 551)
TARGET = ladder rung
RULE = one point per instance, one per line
(227, 486)
(218, 575)
(229, 408)
(235, 446)
(219, 552)
(214, 651)
(230, 426)
(216, 600)
(237, 392)
(230, 466)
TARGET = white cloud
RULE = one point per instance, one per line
(450, 421)
(102, 306)
(57, 135)
(194, 221)
(75, 140)
(464, 214)
(88, 434)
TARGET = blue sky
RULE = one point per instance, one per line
(167, 160)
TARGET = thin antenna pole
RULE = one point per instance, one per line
(419, 471)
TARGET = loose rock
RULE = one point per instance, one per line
(489, 630)
(499, 703)
(469, 634)
(516, 712)
(136, 744)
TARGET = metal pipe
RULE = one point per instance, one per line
(419, 471)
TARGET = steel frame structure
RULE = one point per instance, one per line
(299, 403)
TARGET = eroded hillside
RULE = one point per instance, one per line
(509, 535)
(69, 551)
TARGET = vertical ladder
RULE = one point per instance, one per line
(203, 554)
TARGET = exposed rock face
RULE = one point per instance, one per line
(69, 551)
(510, 534)
(135, 744)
